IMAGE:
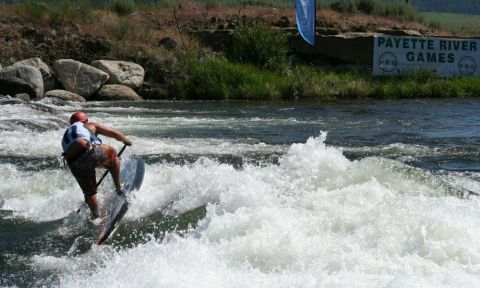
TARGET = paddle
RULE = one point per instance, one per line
(106, 172)
(464, 190)
(473, 193)
(470, 193)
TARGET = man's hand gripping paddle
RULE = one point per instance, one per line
(106, 172)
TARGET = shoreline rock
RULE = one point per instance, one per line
(64, 95)
(15, 85)
(29, 74)
(25, 80)
(122, 72)
(49, 79)
(114, 92)
(79, 78)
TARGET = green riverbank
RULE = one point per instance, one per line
(220, 79)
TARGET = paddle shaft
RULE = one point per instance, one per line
(106, 172)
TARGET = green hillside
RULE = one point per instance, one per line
(461, 24)
(450, 6)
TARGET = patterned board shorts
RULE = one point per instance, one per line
(83, 167)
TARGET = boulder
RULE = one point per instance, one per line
(14, 86)
(79, 78)
(27, 73)
(122, 72)
(65, 95)
(49, 79)
(116, 92)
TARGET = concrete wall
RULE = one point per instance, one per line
(352, 49)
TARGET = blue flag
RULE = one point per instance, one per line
(306, 19)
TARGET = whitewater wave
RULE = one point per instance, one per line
(315, 220)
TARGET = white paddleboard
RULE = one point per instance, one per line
(115, 206)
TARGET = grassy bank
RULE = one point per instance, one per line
(220, 79)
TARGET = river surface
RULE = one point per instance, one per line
(247, 194)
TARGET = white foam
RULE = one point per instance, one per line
(315, 220)
(199, 146)
(23, 141)
(292, 247)
(33, 144)
(399, 149)
(38, 195)
(47, 144)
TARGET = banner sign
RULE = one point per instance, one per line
(306, 14)
(394, 55)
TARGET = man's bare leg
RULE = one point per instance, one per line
(115, 171)
(93, 205)
(88, 184)
(113, 163)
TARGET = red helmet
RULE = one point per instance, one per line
(78, 116)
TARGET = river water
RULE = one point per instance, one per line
(246, 194)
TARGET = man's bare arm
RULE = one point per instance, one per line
(110, 132)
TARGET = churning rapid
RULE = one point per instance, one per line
(241, 194)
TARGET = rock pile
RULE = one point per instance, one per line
(72, 80)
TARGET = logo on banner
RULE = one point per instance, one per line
(387, 62)
(467, 66)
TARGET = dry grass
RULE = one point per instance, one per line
(190, 12)
(138, 34)
(139, 30)
(328, 18)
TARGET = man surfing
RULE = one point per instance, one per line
(84, 151)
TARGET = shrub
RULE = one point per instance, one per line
(260, 45)
(35, 10)
(66, 10)
(343, 6)
(57, 11)
(400, 11)
(397, 10)
(217, 78)
(367, 6)
(123, 7)
(119, 29)
(435, 24)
